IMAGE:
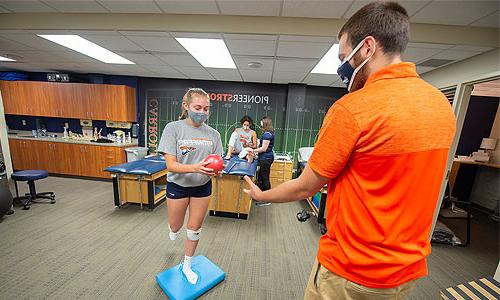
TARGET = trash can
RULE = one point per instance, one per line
(136, 153)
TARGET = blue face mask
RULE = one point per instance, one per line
(197, 117)
(346, 72)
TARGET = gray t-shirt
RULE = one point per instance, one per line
(190, 145)
(242, 138)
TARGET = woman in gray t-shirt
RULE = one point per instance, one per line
(185, 144)
(242, 138)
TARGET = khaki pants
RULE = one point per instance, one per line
(325, 285)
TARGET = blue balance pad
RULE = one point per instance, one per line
(175, 285)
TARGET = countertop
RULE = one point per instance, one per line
(27, 135)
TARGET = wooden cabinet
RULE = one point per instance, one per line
(65, 158)
(281, 171)
(69, 100)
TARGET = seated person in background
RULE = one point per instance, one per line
(242, 138)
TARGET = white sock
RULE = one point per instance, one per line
(172, 235)
(191, 276)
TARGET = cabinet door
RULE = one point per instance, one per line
(16, 154)
(16, 98)
(9, 102)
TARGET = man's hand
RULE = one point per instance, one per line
(254, 191)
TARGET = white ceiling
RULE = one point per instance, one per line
(284, 58)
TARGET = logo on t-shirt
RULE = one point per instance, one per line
(186, 149)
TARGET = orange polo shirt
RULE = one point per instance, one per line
(384, 149)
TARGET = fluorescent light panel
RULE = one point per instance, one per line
(210, 53)
(79, 44)
(6, 59)
(329, 63)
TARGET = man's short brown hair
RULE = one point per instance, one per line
(387, 22)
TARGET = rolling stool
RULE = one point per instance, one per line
(30, 176)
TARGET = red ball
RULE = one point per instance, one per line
(216, 162)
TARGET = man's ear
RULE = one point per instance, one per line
(370, 46)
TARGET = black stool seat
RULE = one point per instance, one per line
(30, 176)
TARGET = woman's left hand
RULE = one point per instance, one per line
(254, 191)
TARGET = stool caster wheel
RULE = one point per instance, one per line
(322, 229)
(10, 212)
(53, 201)
(26, 207)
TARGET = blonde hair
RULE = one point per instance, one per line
(188, 96)
(267, 124)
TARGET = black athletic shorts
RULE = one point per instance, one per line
(175, 191)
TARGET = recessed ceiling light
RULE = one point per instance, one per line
(329, 63)
(79, 44)
(210, 53)
(255, 64)
(2, 58)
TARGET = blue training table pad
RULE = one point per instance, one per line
(175, 285)
(240, 167)
(146, 166)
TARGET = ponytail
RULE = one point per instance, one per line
(187, 99)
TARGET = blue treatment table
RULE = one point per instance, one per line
(139, 182)
(228, 198)
(175, 285)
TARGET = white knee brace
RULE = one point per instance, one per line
(173, 235)
(193, 235)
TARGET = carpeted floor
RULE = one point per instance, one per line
(84, 247)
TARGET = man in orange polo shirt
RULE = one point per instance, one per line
(382, 150)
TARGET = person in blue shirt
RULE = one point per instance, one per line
(266, 156)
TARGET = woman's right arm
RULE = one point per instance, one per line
(176, 167)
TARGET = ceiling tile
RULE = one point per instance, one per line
(55, 56)
(143, 6)
(288, 77)
(6, 45)
(161, 69)
(321, 79)
(312, 39)
(429, 45)
(294, 65)
(471, 48)
(252, 8)
(256, 76)
(492, 20)
(411, 6)
(416, 55)
(454, 12)
(181, 60)
(203, 7)
(76, 6)
(302, 49)
(144, 33)
(421, 70)
(26, 6)
(142, 58)
(315, 8)
(161, 44)
(96, 32)
(251, 47)
(33, 41)
(264, 37)
(201, 76)
(22, 67)
(242, 62)
(455, 54)
(192, 71)
(224, 74)
(198, 35)
(113, 43)
(60, 32)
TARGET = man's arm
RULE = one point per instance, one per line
(306, 185)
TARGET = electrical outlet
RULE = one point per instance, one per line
(24, 122)
(66, 125)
